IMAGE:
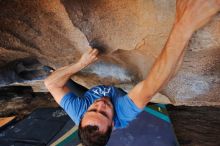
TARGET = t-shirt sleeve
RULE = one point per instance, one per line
(126, 110)
(74, 106)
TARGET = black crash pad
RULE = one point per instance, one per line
(37, 129)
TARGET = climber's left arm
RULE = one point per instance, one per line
(56, 82)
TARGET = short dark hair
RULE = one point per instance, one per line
(91, 136)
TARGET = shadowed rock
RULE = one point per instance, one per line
(21, 71)
(196, 126)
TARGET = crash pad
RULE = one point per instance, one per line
(6, 120)
(37, 129)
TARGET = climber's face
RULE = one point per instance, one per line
(100, 114)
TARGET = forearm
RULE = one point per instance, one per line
(56, 82)
(59, 77)
(163, 68)
(166, 63)
(178, 66)
(190, 16)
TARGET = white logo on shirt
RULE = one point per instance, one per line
(100, 91)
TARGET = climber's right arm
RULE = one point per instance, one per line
(55, 83)
(163, 68)
(190, 16)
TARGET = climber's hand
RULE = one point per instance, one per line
(90, 56)
(194, 14)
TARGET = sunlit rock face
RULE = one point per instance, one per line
(129, 35)
(198, 81)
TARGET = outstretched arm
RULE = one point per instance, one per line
(55, 83)
(190, 16)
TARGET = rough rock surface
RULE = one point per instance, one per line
(20, 101)
(130, 35)
(196, 126)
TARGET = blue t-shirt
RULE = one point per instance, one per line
(125, 109)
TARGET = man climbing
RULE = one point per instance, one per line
(104, 107)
